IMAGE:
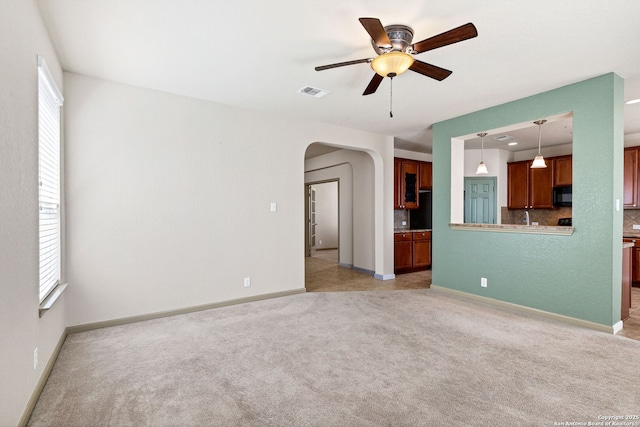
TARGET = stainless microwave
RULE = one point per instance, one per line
(562, 196)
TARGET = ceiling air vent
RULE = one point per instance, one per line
(313, 91)
(503, 138)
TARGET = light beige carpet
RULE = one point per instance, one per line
(401, 358)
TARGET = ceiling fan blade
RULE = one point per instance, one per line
(463, 32)
(342, 64)
(373, 84)
(429, 70)
(376, 31)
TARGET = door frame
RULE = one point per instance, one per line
(307, 195)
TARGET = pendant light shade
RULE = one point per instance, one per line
(392, 64)
(482, 168)
(538, 161)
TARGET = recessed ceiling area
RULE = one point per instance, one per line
(558, 130)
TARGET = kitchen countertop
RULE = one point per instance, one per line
(406, 230)
(515, 228)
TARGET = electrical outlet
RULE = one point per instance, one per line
(636, 226)
(274, 207)
(319, 242)
(483, 282)
(404, 222)
(247, 282)
(534, 223)
(35, 359)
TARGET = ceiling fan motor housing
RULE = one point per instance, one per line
(400, 37)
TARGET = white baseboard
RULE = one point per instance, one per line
(157, 315)
(618, 327)
(31, 404)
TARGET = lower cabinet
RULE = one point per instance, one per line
(412, 251)
(635, 262)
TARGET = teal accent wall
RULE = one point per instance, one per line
(577, 276)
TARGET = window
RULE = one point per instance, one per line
(49, 103)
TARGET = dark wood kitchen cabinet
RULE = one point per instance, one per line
(406, 173)
(422, 249)
(627, 271)
(412, 251)
(630, 194)
(635, 262)
(529, 188)
(562, 171)
(426, 175)
(403, 251)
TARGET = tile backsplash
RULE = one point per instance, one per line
(541, 216)
(400, 215)
(631, 216)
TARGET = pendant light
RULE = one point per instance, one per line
(482, 168)
(538, 161)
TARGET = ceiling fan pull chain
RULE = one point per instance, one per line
(391, 99)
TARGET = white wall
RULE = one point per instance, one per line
(413, 155)
(22, 37)
(168, 200)
(355, 170)
(326, 215)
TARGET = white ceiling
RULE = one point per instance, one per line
(257, 54)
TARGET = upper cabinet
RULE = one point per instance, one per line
(410, 176)
(562, 171)
(529, 188)
(533, 188)
(630, 195)
(426, 175)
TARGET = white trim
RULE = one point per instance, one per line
(42, 68)
(618, 327)
(384, 276)
(51, 298)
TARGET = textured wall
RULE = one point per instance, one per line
(578, 276)
(22, 38)
(168, 200)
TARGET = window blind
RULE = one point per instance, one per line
(49, 102)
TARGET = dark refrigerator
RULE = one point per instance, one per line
(421, 218)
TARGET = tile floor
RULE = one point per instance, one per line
(632, 324)
(323, 274)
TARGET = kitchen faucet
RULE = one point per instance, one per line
(526, 218)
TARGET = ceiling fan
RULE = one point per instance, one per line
(395, 51)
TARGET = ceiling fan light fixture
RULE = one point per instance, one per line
(392, 64)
